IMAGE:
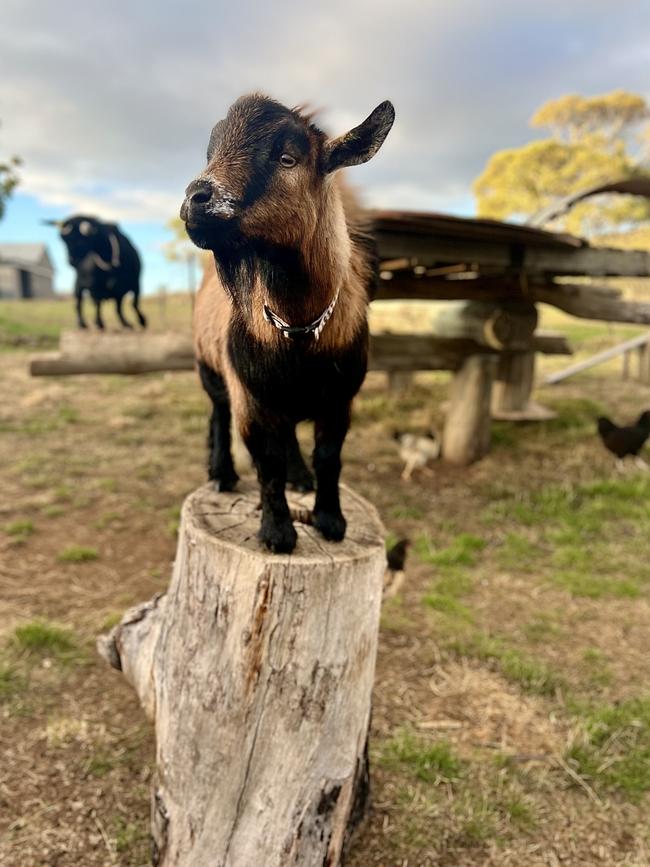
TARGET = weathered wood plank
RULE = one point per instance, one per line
(466, 437)
(586, 260)
(506, 325)
(600, 357)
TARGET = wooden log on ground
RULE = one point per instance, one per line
(258, 670)
(124, 353)
(507, 325)
(134, 354)
(466, 437)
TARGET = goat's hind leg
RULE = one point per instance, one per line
(120, 314)
(221, 469)
(299, 476)
(136, 307)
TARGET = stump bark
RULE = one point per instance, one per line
(257, 670)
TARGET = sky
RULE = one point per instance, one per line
(110, 105)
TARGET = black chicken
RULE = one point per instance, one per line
(625, 441)
(396, 560)
(396, 555)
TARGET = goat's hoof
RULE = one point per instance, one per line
(330, 525)
(279, 538)
(226, 481)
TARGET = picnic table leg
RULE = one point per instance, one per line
(466, 436)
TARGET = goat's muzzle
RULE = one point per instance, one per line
(208, 207)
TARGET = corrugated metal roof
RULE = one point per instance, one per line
(465, 228)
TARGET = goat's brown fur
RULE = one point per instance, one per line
(304, 228)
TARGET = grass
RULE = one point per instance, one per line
(78, 554)
(461, 552)
(11, 682)
(131, 838)
(529, 674)
(613, 750)
(428, 762)
(585, 538)
(40, 637)
(21, 528)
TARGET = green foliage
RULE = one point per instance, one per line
(8, 180)
(593, 141)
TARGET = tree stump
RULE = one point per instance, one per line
(466, 437)
(257, 670)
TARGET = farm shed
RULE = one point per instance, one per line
(26, 271)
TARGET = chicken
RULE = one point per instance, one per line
(396, 560)
(416, 450)
(625, 441)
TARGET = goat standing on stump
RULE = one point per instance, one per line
(280, 324)
(106, 262)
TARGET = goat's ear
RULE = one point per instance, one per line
(361, 143)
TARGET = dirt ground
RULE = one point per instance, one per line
(511, 720)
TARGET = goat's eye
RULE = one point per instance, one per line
(287, 161)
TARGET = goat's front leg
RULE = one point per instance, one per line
(268, 447)
(78, 296)
(330, 433)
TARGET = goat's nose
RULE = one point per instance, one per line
(199, 192)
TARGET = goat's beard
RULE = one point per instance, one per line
(214, 234)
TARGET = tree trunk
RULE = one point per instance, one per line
(466, 436)
(257, 670)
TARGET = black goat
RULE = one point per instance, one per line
(106, 262)
(280, 324)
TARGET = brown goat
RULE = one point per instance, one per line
(280, 321)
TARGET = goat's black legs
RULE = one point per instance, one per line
(99, 322)
(329, 437)
(120, 314)
(299, 477)
(268, 448)
(78, 295)
(221, 469)
(136, 307)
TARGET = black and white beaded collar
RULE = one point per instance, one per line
(314, 328)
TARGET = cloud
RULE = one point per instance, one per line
(111, 105)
